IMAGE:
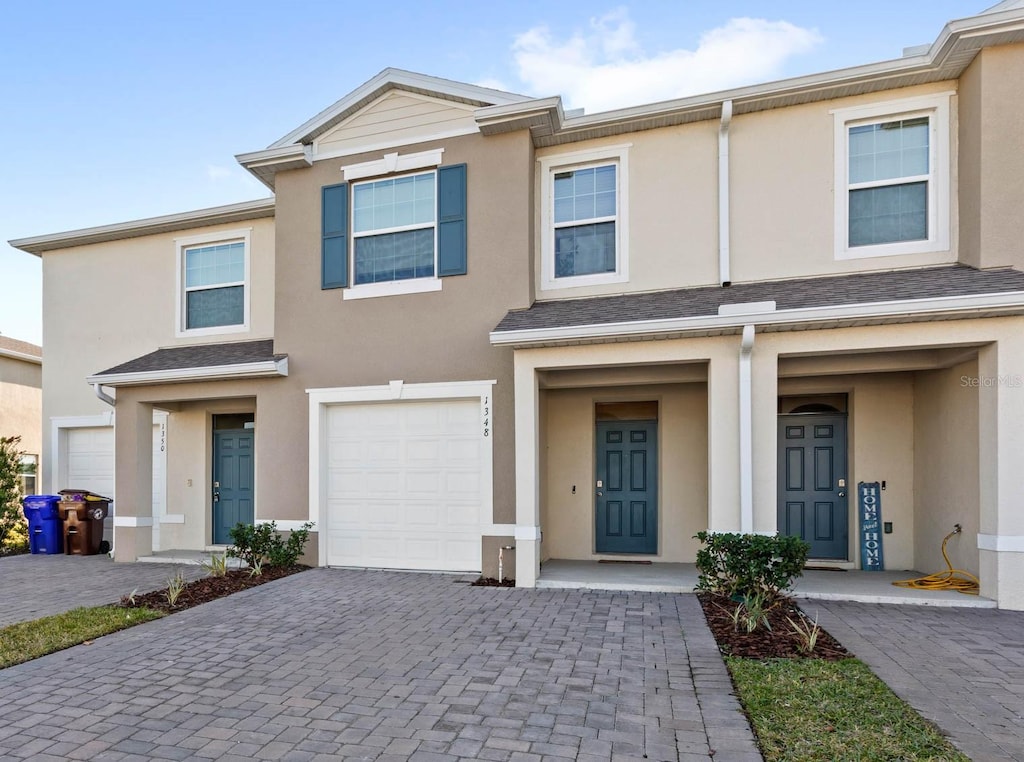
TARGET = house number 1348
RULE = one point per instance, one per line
(487, 416)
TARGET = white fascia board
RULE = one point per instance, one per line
(396, 78)
(179, 375)
(34, 359)
(951, 305)
(272, 156)
(216, 215)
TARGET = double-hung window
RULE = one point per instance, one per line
(892, 178)
(394, 228)
(583, 203)
(213, 283)
(397, 225)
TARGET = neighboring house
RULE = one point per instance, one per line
(21, 403)
(468, 320)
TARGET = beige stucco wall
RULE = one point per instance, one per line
(567, 519)
(418, 338)
(880, 433)
(991, 162)
(109, 303)
(21, 403)
(946, 467)
(782, 173)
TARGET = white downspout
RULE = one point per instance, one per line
(98, 388)
(746, 434)
(724, 269)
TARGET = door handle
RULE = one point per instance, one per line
(216, 496)
(842, 494)
(599, 494)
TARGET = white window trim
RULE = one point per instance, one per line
(936, 107)
(323, 398)
(565, 162)
(393, 163)
(227, 236)
(391, 287)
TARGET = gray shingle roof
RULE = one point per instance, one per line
(22, 347)
(859, 288)
(199, 356)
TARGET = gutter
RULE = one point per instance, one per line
(260, 369)
(103, 396)
(746, 433)
(724, 277)
(35, 359)
(947, 305)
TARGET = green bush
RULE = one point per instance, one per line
(261, 544)
(748, 565)
(13, 528)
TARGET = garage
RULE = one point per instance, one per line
(406, 484)
(90, 460)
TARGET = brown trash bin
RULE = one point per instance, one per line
(83, 513)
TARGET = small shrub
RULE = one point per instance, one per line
(806, 632)
(13, 528)
(217, 566)
(748, 565)
(175, 586)
(261, 543)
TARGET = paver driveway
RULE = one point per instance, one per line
(37, 586)
(333, 664)
(963, 669)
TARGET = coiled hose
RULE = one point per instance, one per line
(951, 579)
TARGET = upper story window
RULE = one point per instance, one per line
(892, 178)
(583, 218)
(390, 229)
(394, 228)
(213, 277)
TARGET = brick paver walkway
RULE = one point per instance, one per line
(963, 669)
(37, 586)
(334, 664)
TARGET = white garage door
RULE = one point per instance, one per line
(90, 460)
(404, 485)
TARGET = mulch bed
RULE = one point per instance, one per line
(209, 589)
(492, 582)
(781, 642)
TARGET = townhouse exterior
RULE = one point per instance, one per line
(21, 403)
(469, 320)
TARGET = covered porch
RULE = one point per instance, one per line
(815, 584)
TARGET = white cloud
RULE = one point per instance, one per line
(605, 67)
(215, 173)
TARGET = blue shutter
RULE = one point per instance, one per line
(451, 220)
(334, 250)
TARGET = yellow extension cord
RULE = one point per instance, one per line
(951, 579)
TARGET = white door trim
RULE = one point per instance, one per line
(321, 399)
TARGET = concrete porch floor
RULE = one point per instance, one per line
(860, 586)
(188, 557)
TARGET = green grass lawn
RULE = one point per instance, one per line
(30, 640)
(810, 709)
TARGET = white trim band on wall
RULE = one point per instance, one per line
(528, 533)
(1009, 543)
(133, 521)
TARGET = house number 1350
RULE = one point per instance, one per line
(487, 416)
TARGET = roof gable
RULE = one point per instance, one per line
(396, 117)
(390, 79)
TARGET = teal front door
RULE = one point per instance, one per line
(627, 487)
(233, 477)
(812, 483)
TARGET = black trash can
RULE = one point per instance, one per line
(83, 513)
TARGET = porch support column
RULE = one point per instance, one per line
(1001, 471)
(527, 416)
(723, 439)
(765, 404)
(133, 480)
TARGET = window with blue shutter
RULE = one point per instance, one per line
(402, 228)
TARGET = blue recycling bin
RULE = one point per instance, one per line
(45, 527)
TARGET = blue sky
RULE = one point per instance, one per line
(119, 110)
